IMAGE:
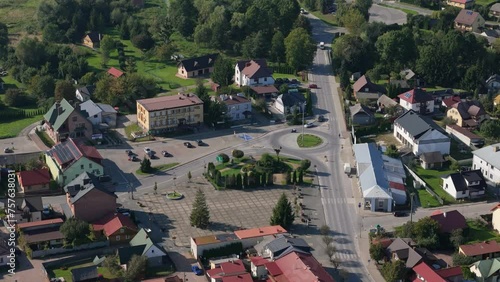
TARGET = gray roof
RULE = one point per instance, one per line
(283, 244)
(262, 244)
(83, 184)
(416, 125)
(490, 154)
(84, 273)
(404, 252)
(291, 99)
(34, 203)
(407, 73)
(106, 108)
(460, 180)
(359, 108)
(126, 253)
(143, 239)
(386, 101)
(371, 171)
(89, 108)
(87, 90)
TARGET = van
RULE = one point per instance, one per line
(322, 45)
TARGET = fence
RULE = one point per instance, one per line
(49, 252)
(418, 183)
(18, 158)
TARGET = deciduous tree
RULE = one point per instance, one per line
(278, 50)
(136, 268)
(64, 89)
(377, 252)
(223, 71)
(300, 49)
(75, 230)
(394, 271)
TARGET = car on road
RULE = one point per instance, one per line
(313, 86)
(129, 152)
(309, 125)
(200, 142)
(294, 130)
(188, 145)
(303, 11)
(400, 213)
(321, 118)
(165, 154)
(322, 45)
(196, 269)
(133, 158)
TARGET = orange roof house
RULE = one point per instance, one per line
(118, 228)
(115, 72)
(33, 181)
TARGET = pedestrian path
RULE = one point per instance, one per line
(345, 255)
(326, 201)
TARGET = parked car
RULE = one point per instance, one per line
(294, 81)
(133, 158)
(400, 213)
(278, 81)
(294, 130)
(309, 125)
(200, 143)
(286, 80)
(196, 270)
(165, 153)
(188, 144)
(321, 118)
(313, 86)
(8, 150)
(129, 152)
(148, 151)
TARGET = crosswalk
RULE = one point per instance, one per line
(337, 201)
(345, 255)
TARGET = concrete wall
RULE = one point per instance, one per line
(18, 158)
(55, 251)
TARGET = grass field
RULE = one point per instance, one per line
(12, 129)
(426, 199)
(45, 138)
(485, 2)
(433, 179)
(19, 15)
(327, 18)
(66, 273)
(478, 233)
(308, 140)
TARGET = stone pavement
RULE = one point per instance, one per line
(229, 209)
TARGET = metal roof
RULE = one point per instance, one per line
(371, 170)
(489, 154)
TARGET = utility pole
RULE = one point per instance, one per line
(411, 207)
(303, 124)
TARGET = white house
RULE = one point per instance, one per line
(496, 217)
(253, 73)
(286, 103)
(152, 251)
(102, 115)
(487, 159)
(417, 100)
(465, 184)
(238, 107)
(420, 135)
(85, 93)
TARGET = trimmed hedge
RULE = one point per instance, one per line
(231, 249)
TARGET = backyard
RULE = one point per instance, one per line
(433, 179)
(478, 232)
(65, 272)
(12, 128)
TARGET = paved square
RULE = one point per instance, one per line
(229, 209)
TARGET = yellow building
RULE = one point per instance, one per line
(168, 113)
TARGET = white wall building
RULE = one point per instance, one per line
(487, 160)
(417, 100)
(253, 73)
(238, 107)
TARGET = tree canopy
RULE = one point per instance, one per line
(282, 213)
(300, 49)
(200, 214)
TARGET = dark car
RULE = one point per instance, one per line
(400, 213)
(8, 150)
(321, 118)
(313, 86)
(129, 152)
(286, 80)
(188, 144)
(196, 270)
(165, 153)
(294, 81)
(200, 143)
(278, 81)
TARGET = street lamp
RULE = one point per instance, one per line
(278, 150)
(303, 123)
(411, 206)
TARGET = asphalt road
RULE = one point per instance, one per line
(387, 15)
(420, 10)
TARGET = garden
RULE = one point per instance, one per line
(241, 172)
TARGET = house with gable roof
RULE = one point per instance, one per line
(27, 209)
(465, 184)
(116, 73)
(117, 228)
(417, 100)
(299, 267)
(92, 39)
(487, 159)
(63, 121)
(420, 134)
(34, 181)
(481, 250)
(486, 270)
(88, 199)
(85, 274)
(282, 245)
(102, 116)
(365, 89)
(154, 252)
(238, 106)
(198, 66)
(361, 114)
(449, 220)
(253, 73)
(468, 113)
(468, 20)
(462, 4)
(424, 272)
(66, 161)
(85, 93)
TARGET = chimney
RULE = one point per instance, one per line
(58, 107)
(195, 63)
(231, 97)
(248, 64)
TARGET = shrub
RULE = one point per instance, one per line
(14, 97)
(224, 157)
(305, 164)
(143, 41)
(237, 154)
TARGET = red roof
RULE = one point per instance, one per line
(115, 72)
(260, 231)
(495, 207)
(385, 242)
(302, 267)
(449, 221)
(229, 268)
(258, 261)
(238, 278)
(398, 186)
(273, 268)
(90, 152)
(451, 101)
(112, 223)
(426, 272)
(416, 95)
(450, 272)
(481, 248)
(34, 177)
(39, 223)
(264, 89)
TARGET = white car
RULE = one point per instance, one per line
(147, 151)
(309, 125)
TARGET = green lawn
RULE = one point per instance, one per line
(66, 273)
(19, 15)
(478, 233)
(157, 168)
(433, 179)
(426, 199)
(45, 138)
(12, 128)
(407, 11)
(327, 18)
(485, 2)
(285, 75)
(308, 140)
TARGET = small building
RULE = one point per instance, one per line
(66, 161)
(41, 234)
(361, 115)
(402, 250)
(420, 134)
(117, 228)
(125, 254)
(281, 245)
(462, 4)
(258, 267)
(34, 181)
(495, 10)
(467, 113)
(468, 20)
(449, 102)
(481, 250)
(425, 273)
(238, 106)
(298, 267)
(449, 221)
(116, 73)
(63, 121)
(196, 67)
(465, 184)
(432, 160)
(27, 209)
(495, 211)
(92, 40)
(232, 271)
(417, 100)
(169, 113)
(250, 237)
(88, 199)
(85, 93)
(154, 252)
(102, 116)
(487, 159)
(486, 270)
(465, 136)
(413, 79)
(253, 73)
(266, 91)
(287, 103)
(85, 274)
(203, 243)
(364, 89)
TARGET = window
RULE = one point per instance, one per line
(74, 118)
(127, 236)
(95, 116)
(463, 192)
(491, 176)
(90, 165)
(446, 185)
(82, 167)
(122, 230)
(118, 238)
(265, 78)
(491, 166)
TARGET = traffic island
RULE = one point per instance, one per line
(309, 140)
(174, 196)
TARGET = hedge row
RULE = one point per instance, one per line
(10, 114)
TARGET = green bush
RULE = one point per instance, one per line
(238, 154)
(305, 164)
(231, 249)
(225, 158)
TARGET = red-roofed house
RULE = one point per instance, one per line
(66, 161)
(449, 221)
(253, 73)
(227, 269)
(451, 274)
(34, 181)
(417, 100)
(115, 72)
(481, 250)
(496, 217)
(425, 273)
(238, 278)
(448, 102)
(250, 237)
(301, 267)
(258, 267)
(462, 4)
(273, 269)
(118, 228)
